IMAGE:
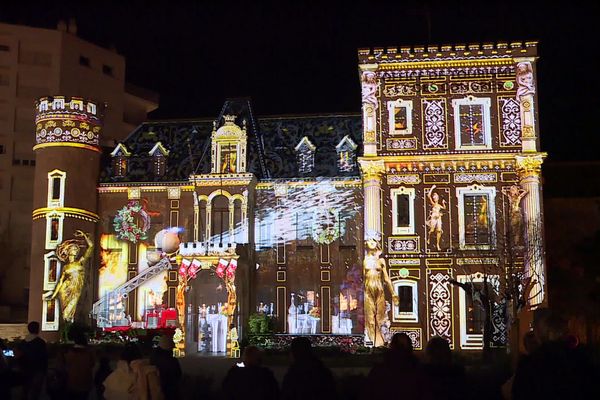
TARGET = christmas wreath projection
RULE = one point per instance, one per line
(132, 222)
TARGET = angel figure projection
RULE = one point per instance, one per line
(435, 217)
(72, 278)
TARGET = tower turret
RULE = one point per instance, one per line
(64, 208)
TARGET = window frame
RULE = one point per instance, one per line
(485, 103)
(471, 341)
(52, 175)
(391, 107)
(402, 230)
(51, 244)
(475, 189)
(49, 285)
(412, 316)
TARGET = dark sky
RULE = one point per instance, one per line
(300, 57)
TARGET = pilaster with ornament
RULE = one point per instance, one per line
(369, 88)
(525, 97)
(529, 170)
(372, 172)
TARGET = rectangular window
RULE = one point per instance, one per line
(405, 295)
(477, 211)
(472, 123)
(25, 162)
(84, 61)
(400, 117)
(403, 214)
(16, 162)
(52, 270)
(4, 47)
(1, 149)
(408, 308)
(106, 70)
(477, 221)
(54, 229)
(228, 158)
(475, 313)
(403, 220)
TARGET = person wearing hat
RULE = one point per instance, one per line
(168, 367)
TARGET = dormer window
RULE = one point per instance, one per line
(229, 147)
(305, 153)
(346, 150)
(159, 159)
(120, 157)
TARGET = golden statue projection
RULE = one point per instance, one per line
(515, 194)
(72, 278)
(434, 222)
(376, 277)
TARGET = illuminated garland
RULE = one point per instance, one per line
(326, 226)
(125, 222)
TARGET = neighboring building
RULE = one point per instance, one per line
(37, 62)
(288, 216)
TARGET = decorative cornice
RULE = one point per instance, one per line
(67, 144)
(67, 211)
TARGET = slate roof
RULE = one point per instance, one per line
(271, 142)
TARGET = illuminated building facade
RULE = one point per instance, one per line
(36, 62)
(337, 226)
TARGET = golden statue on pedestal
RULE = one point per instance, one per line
(376, 276)
(72, 278)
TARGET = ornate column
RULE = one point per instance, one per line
(529, 168)
(231, 220)
(372, 172)
(369, 87)
(525, 96)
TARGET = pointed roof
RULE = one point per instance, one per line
(120, 150)
(346, 140)
(159, 147)
(305, 142)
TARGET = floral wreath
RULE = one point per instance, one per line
(326, 234)
(125, 222)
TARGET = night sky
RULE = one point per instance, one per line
(300, 57)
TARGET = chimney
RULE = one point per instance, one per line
(72, 28)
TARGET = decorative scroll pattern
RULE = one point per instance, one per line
(440, 317)
(499, 327)
(470, 87)
(414, 334)
(435, 124)
(466, 177)
(401, 144)
(401, 89)
(409, 179)
(67, 131)
(511, 121)
(442, 72)
(403, 245)
(403, 261)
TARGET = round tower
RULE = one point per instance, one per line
(64, 210)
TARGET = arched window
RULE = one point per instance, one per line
(219, 222)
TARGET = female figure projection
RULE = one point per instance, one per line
(435, 216)
(72, 278)
(515, 194)
(376, 276)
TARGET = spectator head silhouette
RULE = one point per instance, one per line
(301, 348)
(438, 351)
(548, 326)
(530, 342)
(130, 353)
(165, 343)
(401, 342)
(33, 327)
(252, 356)
(79, 338)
